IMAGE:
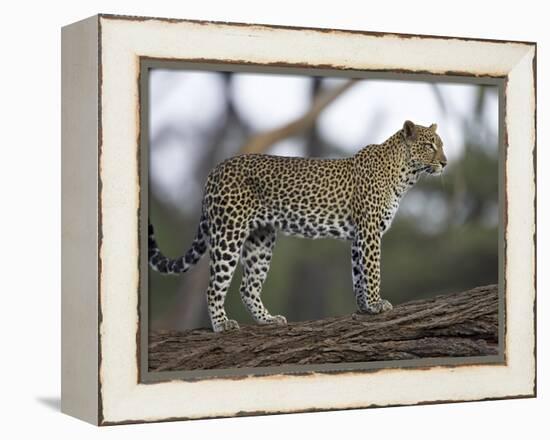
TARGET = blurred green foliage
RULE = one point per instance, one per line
(310, 279)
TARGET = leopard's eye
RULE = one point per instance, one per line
(431, 146)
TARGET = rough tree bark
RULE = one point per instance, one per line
(455, 325)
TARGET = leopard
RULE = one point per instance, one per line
(249, 198)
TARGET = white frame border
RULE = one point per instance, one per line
(122, 41)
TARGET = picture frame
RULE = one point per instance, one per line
(104, 207)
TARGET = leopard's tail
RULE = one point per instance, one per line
(163, 264)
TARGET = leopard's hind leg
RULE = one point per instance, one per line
(225, 248)
(255, 259)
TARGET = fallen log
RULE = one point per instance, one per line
(452, 325)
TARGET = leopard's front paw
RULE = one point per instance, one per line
(277, 319)
(229, 324)
(379, 306)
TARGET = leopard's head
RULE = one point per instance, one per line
(425, 148)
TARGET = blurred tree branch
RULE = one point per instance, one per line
(190, 308)
(262, 141)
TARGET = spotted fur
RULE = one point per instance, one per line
(249, 198)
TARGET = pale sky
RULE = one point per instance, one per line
(186, 105)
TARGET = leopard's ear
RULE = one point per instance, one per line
(433, 127)
(409, 130)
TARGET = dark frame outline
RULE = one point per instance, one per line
(145, 376)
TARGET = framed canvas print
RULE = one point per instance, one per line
(262, 219)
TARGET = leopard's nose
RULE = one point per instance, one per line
(443, 163)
